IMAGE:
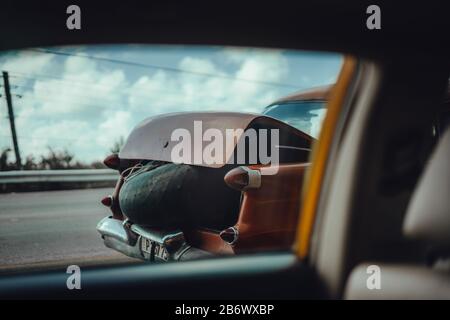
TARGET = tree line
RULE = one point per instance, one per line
(54, 159)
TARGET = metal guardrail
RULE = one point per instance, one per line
(42, 176)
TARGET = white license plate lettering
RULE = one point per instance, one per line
(159, 251)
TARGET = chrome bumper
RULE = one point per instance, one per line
(127, 238)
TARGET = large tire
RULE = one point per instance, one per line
(179, 195)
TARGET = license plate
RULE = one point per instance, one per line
(159, 251)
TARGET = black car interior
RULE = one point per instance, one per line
(403, 173)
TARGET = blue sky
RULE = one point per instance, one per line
(84, 105)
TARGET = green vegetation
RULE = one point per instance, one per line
(62, 159)
(52, 160)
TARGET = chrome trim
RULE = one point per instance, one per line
(181, 251)
(126, 238)
(160, 236)
(128, 250)
(293, 148)
(113, 228)
(235, 235)
(254, 178)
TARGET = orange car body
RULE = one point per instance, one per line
(268, 213)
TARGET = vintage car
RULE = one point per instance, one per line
(165, 210)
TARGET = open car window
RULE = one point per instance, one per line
(144, 154)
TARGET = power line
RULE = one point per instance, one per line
(122, 92)
(170, 69)
(38, 77)
(137, 111)
(89, 99)
(87, 84)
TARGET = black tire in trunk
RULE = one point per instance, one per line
(178, 195)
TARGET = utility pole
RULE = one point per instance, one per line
(11, 119)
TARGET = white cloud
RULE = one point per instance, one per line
(27, 62)
(116, 125)
(97, 103)
(196, 65)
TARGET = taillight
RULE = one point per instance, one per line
(243, 178)
(107, 201)
(112, 161)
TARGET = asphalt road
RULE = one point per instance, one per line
(52, 229)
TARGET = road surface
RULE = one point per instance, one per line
(52, 229)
